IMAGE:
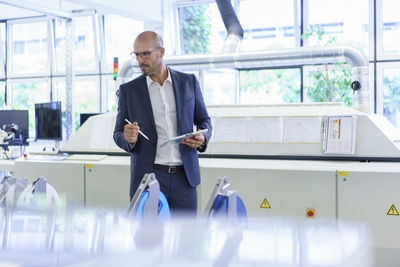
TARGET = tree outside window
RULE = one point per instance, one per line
(195, 29)
(328, 83)
(269, 86)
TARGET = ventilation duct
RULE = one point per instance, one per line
(275, 58)
(232, 25)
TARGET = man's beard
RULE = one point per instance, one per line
(147, 72)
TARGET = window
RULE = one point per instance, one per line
(2, 49)
(339, 20)
(110, 93)
(389, 29)
(269, 86)
(2, 94)
(84, 53)
(59, 44)
(29, 54)
(59, 94)
(268, 24)
(86, 96)
(220, 87)
(119, 35)
(389, 95)
(328, 83)
(25, 93)
(202, 29)
(84, 46)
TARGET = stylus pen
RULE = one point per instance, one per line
(139, 130)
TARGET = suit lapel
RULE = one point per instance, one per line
(176, 84)
(144, 97)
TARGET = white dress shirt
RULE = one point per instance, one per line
(164, 109)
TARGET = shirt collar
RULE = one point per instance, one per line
(150, 81)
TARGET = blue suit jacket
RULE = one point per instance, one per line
(134, 105)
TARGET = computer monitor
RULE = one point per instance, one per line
(48, 121)
(84, 116)
(16, 121)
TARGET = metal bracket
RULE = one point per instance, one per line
(150, 210)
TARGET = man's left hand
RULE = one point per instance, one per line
(194, 141)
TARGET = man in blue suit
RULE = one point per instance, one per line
(162, 103)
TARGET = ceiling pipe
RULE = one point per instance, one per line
(232, 25)
(275, 58)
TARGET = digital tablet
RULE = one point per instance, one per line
(178, 139)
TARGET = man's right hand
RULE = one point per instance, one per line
(131, 132)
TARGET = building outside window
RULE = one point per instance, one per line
(119, 35)
(268, 24)
(390, 29)
(28, 47)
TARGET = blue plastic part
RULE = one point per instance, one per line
(220, 207)
(163, 207)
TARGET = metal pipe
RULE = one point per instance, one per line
(258, 59)
(232, 25)
(273, 58)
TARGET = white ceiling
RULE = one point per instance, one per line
(148, 10)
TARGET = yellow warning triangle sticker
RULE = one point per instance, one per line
(265, 204)
(393, 211)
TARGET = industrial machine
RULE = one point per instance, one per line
(225, 202)
(149, 202)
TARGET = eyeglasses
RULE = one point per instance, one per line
(144, 54)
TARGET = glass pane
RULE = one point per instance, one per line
(340, 23)
(2, 49)
(111, 98)
(328, 83)
(29, 52)
(84, 52)
(391, 26)
(220, 87)
(59, 94)
(24, 96)
(59, 43)
(119, 40)
(202, 29)
(391, 95)
(274, 30)
(269, 86)
(2, 93)
(86, 97)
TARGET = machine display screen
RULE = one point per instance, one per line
(48, 121)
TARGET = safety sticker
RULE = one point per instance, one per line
(393, 211)
(88, 165)
(265, 204)
(343, 173)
